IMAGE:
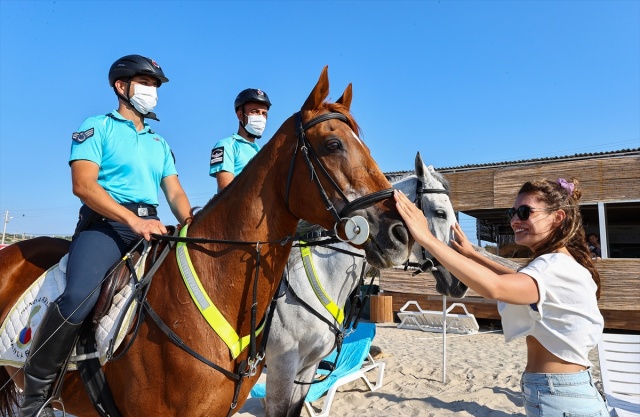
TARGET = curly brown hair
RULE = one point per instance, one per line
(563, 195)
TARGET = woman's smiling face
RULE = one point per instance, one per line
(536, 228)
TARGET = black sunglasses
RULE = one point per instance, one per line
(523, 212)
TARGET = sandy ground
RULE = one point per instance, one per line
(482, 377)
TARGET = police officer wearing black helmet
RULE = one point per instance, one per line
(230, 155)
(117, 164)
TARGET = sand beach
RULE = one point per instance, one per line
(482, 377)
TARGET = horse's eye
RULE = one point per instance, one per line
(441, 214)
(334, 145)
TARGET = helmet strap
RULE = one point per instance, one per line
(241, 122)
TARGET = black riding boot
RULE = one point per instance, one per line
(49, 350)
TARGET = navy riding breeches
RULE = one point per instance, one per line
(93, 252)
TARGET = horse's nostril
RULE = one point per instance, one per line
(400, 233)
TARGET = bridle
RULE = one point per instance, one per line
(421, 190)
(359, 235)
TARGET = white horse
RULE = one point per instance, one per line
(308, 317)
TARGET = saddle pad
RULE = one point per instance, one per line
(21, 323)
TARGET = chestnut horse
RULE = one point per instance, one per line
(314, 168)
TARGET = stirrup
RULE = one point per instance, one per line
(48, 403)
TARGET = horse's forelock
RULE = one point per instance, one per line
(442, 180)
(338, 108)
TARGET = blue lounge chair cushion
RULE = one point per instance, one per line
(353, 354)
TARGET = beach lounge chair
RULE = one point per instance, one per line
(354, 362)
(413, 317)
(619, 357)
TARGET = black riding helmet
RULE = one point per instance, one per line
(251, 95)
(132, 65)
(128, 67)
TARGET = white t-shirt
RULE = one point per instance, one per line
(567, 322)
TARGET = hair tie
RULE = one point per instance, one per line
(569, 186)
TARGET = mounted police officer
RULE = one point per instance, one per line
(230, 155)
(117, 164)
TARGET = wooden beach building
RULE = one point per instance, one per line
(610, 206)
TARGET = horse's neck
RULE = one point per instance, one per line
(250, 209)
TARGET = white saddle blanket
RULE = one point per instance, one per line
(21, 323)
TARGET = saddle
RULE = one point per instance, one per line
(119, 277)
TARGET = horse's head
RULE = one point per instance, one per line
(432, 196)
(332, 178)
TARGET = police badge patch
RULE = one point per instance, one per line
(82, 136)
(217, 156)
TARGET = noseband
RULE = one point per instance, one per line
(308, 153)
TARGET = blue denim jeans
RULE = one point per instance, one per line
(562, 395)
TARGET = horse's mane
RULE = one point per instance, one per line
(442, 180)
(305, 227)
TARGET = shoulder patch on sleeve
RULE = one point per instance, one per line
(217, 156)
(82, 136)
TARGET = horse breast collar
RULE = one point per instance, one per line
(207, 308)
(335, 310)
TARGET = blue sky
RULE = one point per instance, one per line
(463, 82)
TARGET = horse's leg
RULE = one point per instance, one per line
(300, 390)
(8, 393)
(281, 372)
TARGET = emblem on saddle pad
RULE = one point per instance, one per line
(24, 337)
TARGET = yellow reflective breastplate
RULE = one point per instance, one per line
(210, 312)
(324, 298)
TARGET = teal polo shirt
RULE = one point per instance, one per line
(131, 164)
(232, 154)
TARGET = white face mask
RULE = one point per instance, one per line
(255, 124)
(144, 98)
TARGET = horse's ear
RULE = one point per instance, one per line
(419, 166)
(430, 175)
(345, 100)
(319, 92)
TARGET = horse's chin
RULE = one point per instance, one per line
(381, 258)
(375, 257)
(447, 284)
